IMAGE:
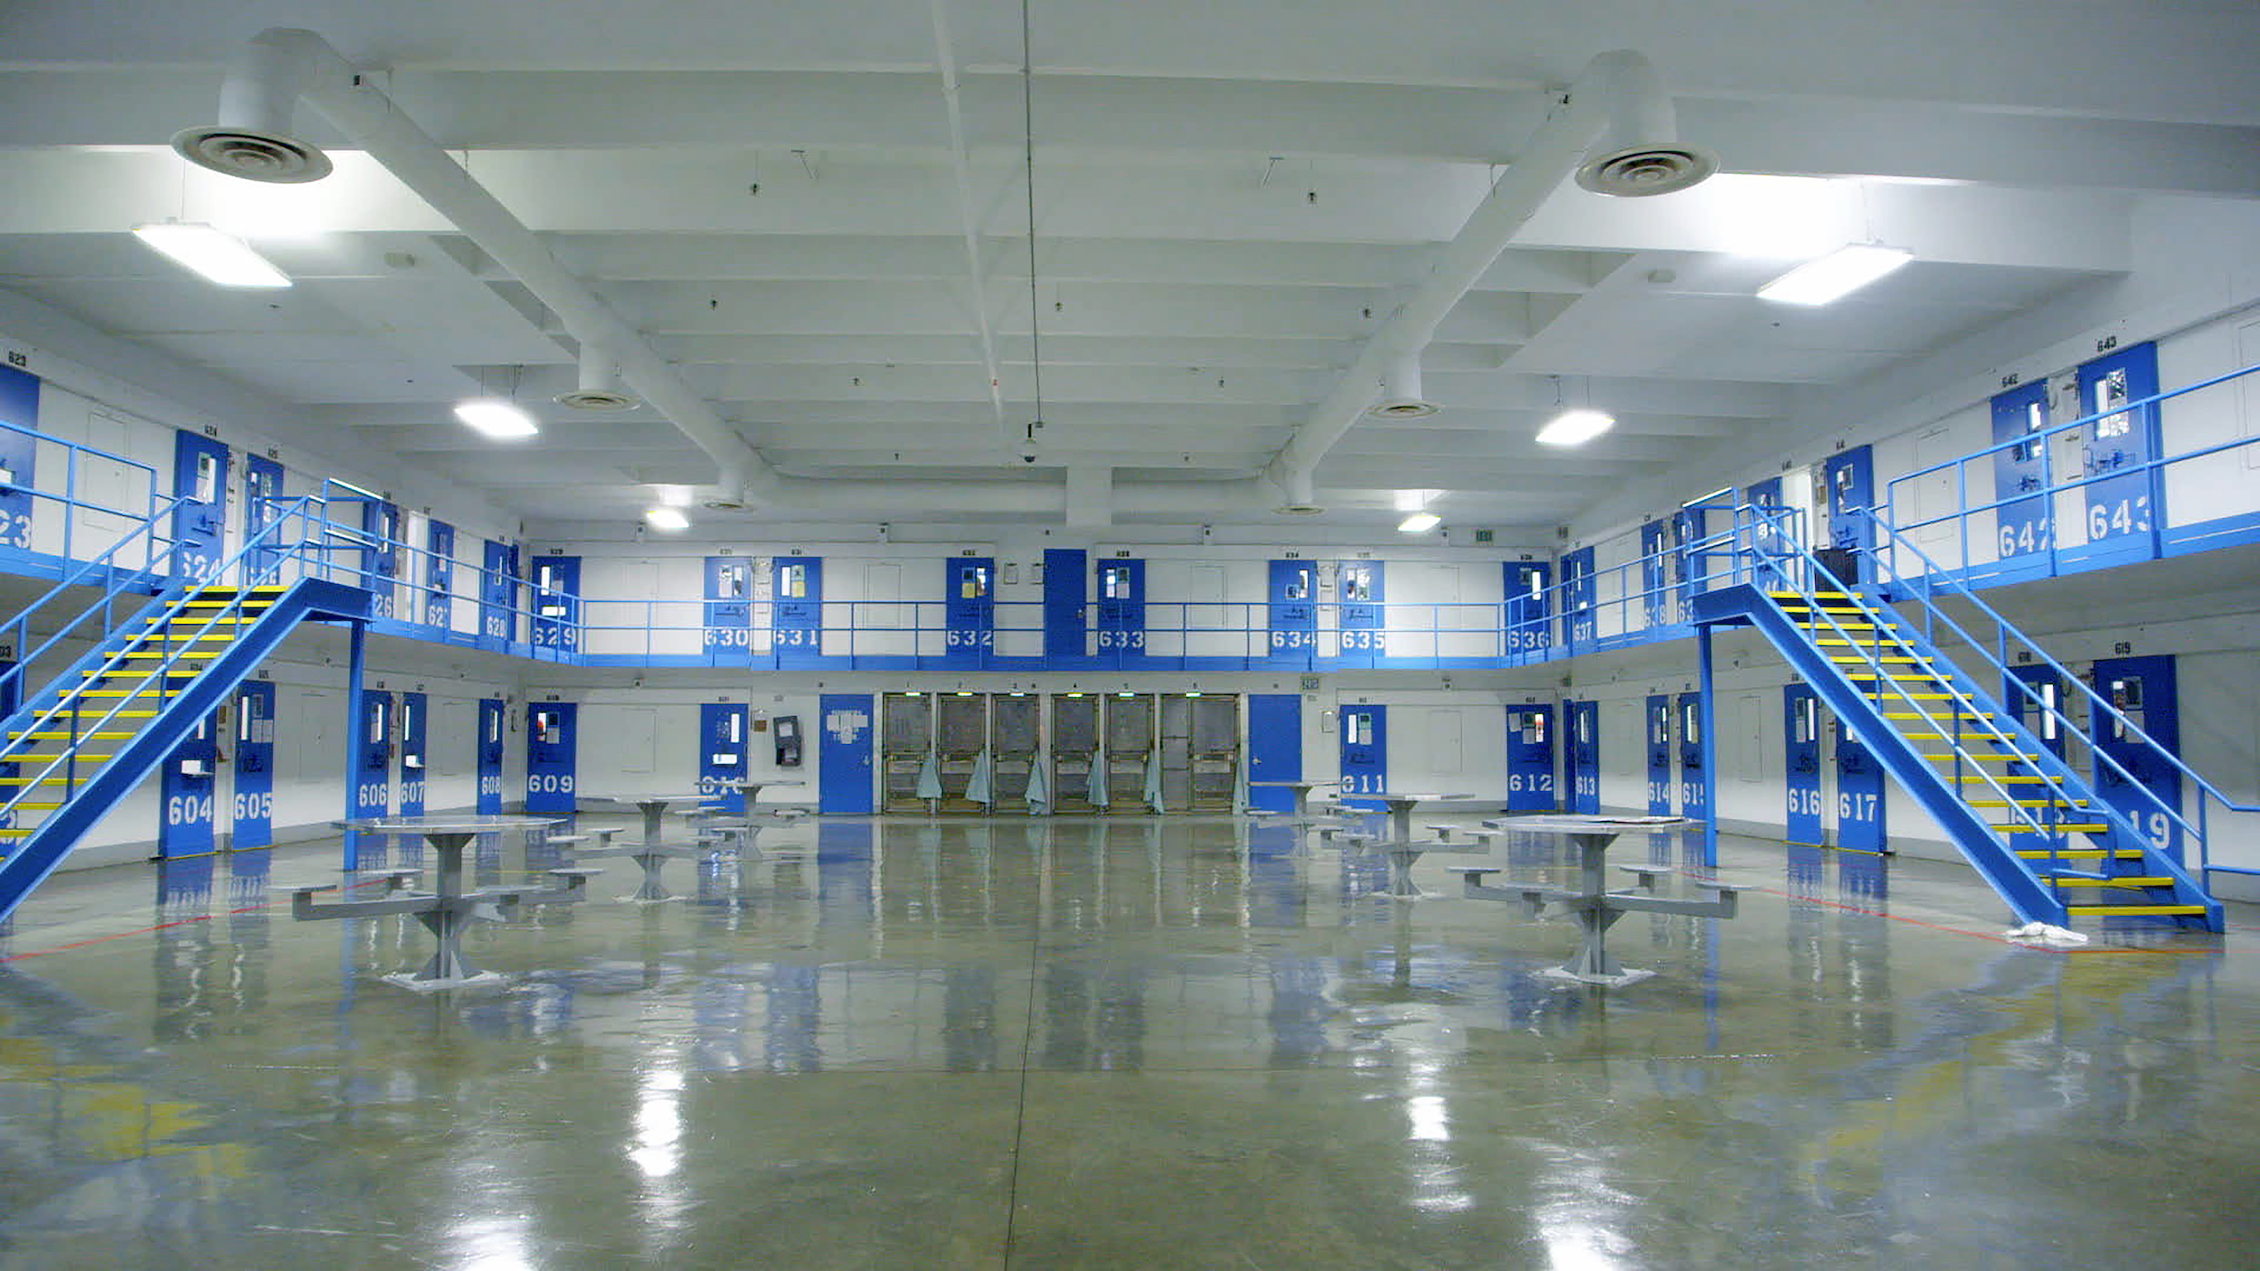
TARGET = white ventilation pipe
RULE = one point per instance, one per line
(282, 62)
(596, 389)
(1613, 88)
(1400, 391)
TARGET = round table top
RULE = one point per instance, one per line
(1583, 823)
(648, 798)
(1303, 784)
(460, 823)
(1397, 796)
(766, 781)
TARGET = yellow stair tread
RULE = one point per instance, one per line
(2124, 880)
(2026, 803)
(1887, 657)
(38, 807)
(2084, 854)
(1957, 715)
(2064, 828)
(2004, 779)
(2134, 911)
(130, 692)
(41, 781)
(155, 655)
(62, 735)
(197, 620)
(1964, 737)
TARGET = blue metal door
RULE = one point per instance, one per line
(552, 757)
(843, 754)
(1122, 611)
(796, 610)
(1584, 756)
(1691, 556)
(262, 506)
(1850, 475)
(1275, 748)
(1530, 759)
(489, 755)
(372, 755)
(187, 793)
(1693, 757)
(557, 603)
(1579, 593)
(415, 722)
(1801, 763)
(498, 592)
(200, 475)
(1065, 624)
(2126, 505)
(1365, 754)
(1764, 494)
(1293, 607)
(1655, 546)
(19, 455)
(722, 754)
(2020, 472)
(251, 814)
(2143, 691)
(1859, 796)
(1529, 616)
(969, 610)
(729, 605)
(380, 557)
(1659, 754)
(439, 574)
(2033, 695)
(1365, 623)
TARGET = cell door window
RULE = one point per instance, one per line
(1659, 727)
(1690, 723)
(733, 584)
(973, 584)
(1584, 729)
(377, 722)
(1114, 582)
(1534, 582)
(2036, 419)
(207, 478)
(1844, 488)
(494, 729)
(2048, 712)
(1357, 584)
(1808, 720)
(1534, 728)
(1357, 728)
(1298, 586)
(792, 582)
(549, 727)
(2126, 697)
(2111, 393)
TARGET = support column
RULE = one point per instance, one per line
(356, 665)
(1706, 712)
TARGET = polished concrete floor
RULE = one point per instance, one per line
(1130, 1043)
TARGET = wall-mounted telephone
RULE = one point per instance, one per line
(788, 741)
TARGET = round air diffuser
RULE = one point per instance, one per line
(252, 155)
(1642, 171)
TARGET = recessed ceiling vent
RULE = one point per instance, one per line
(253, 156)
(1300, 509)
(597, 391)
(724, 503)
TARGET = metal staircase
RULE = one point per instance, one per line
(1872, 653)
(165, 652)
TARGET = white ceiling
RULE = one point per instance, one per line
(1230, 198)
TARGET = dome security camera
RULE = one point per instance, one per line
(1028, 451)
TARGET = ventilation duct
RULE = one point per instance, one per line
(1400, 391)
(598, 391)
(253, 138)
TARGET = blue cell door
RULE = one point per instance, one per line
(372, 756)
(415, 723)
(262, 506)
(200, 476)
(1584, 756)
(498, 592)
(1065, 621)
(2139, 781)
(2125, 502)
(1293, 609)
(969, 610)
(1801, 763)
(1659, 754)
(728, 628)
(552, 757)
(439, 574)
(1529, 615)
(251, 814)
(187, 793)
(1365, 754)
(380, 556)
(488, 755)
(1579, 591)
(1859, 796)
(722, 754)
(1655, 548)
(2020, 473)
(1275, 748)
(2034, 694)
(1365, 623)
(1122, 611)
(1530, 759)
(1850, 475)
(1693, 759)
(557, 603)
(796, 610)
(19, 455)
(843, 754)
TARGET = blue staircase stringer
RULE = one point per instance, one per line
(31, 861)
(1744, 604)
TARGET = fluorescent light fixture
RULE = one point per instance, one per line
(1419, 523)
(1836, 275)
(1575, 427)
(496, 417)
(219, 257)
(666, 519)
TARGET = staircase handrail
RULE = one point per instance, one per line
(1930, 582)
(20, 623)
(1788, 547)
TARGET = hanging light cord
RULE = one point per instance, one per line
(1028, 119)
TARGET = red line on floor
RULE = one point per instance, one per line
(138, 931)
